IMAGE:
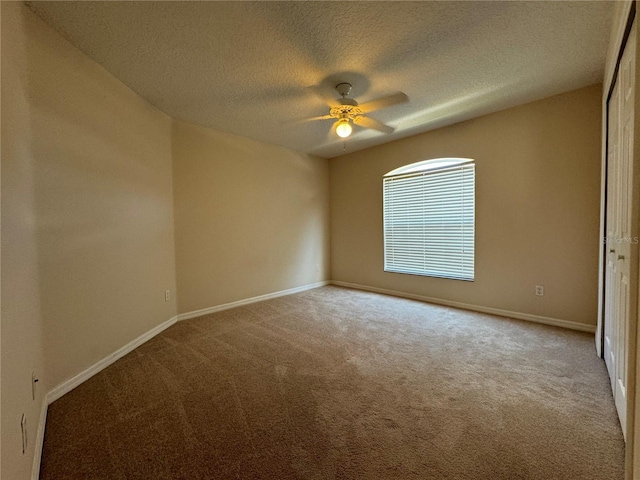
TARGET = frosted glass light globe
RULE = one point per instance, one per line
(343, 129)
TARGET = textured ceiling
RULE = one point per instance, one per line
(257, 68)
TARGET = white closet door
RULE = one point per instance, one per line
(618, 248)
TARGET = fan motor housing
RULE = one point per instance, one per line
(348, 111)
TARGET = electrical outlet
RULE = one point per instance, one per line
(317, 268)
(23, 427)
(539, 290)
(167, 295)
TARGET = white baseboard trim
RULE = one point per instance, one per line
(85, 375)
(556, 322)
(247, 301)
(37, 453)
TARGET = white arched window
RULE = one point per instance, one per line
(429, 218)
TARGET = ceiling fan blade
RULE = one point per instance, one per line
(383, 102)
(310, 119)
(321, 117)
(367, 122)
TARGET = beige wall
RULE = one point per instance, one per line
(87, 218)
(251, 218)
(22, 330)
(537, 208)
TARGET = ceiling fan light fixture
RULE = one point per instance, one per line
(343, 128)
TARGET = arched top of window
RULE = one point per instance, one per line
(429, 165)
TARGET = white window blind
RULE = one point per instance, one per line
(429, 220)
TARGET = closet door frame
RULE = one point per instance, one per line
(625, 13)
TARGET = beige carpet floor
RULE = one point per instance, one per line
(335, 383)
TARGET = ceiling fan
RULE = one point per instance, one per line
(350, 111)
